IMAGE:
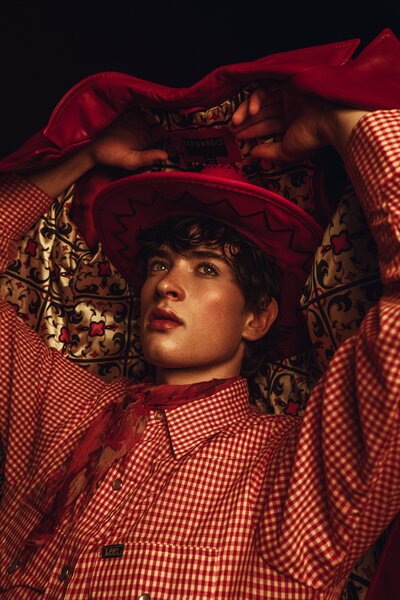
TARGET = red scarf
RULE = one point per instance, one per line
(113, 433)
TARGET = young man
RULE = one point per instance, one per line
(189, 492)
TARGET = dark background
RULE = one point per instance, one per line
(46, 47)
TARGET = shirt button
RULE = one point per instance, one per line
(159, 415)
(13, 566)
(64, 573)
(144, 597)
(117, 484)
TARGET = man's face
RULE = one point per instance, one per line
(193, 316)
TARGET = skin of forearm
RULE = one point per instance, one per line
(55, 179)
(337, 125)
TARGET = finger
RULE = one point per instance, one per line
(258, 101)
(146, 158)
(271, 126)
(260, 97)
(267, 94)
(240, 114)
(149, 157)
(276, 151)
(267, 112)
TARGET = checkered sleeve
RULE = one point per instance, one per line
(41, 393)
(21, 204)
(373, 162)
(343, 487)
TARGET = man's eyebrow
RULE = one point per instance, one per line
(159, 253)
(207, 254)
(202, 254)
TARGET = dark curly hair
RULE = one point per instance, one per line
(256, 273)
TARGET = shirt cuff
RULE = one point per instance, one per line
(373, 155)
(22, 203)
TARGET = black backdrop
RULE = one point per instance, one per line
(46, 47)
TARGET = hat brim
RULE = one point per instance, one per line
(287, 233)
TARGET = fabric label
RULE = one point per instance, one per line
(113, 551)
(202, 145)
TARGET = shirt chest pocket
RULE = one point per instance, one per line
(162, 571)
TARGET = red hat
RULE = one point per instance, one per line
(286, 232)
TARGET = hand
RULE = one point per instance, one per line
(306, 123)
(124, 144)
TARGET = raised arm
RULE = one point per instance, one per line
(40, 392)
(344, 486)
(125, 144)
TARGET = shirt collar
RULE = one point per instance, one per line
(190, 424)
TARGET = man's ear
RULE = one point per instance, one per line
(259, 322)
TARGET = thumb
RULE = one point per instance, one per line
(145, 158)
(276, 151)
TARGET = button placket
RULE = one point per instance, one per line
(13, 566)
(65, 573)
(117, 484)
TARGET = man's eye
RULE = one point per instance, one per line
(208, 269)
(157, 265)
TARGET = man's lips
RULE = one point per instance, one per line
(161, 319)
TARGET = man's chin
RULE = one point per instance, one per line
(165, 360)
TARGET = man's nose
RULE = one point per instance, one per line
(171, 285)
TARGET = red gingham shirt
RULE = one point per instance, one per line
(217, 500)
